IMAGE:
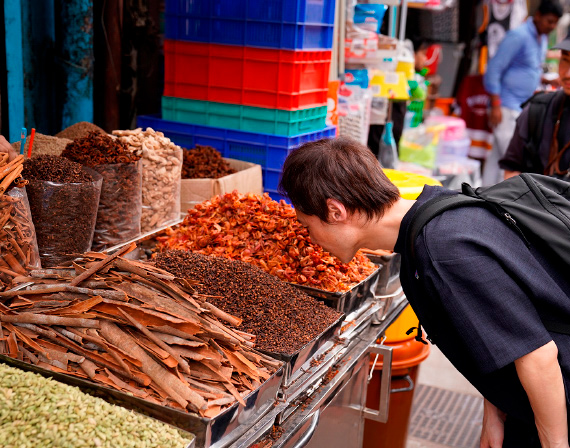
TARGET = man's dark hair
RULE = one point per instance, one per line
(341, 169)
(551, 7)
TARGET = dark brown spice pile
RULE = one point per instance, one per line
(63, 199)
(204, 162)
(98, 149)
(79, 130)
(55, 169)
(283, 318)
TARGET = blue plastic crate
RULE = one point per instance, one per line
(271, 179)
(288, 24)
(269, 151)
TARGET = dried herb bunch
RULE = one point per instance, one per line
(282, 317)
(55, 169)
(260, 231)
(204, 162)
(98, 149)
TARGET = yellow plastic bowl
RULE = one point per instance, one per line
(410, 186)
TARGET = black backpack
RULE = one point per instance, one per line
(537, 207)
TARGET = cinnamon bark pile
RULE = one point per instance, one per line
(135, 328)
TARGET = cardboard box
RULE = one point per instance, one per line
(248, 179)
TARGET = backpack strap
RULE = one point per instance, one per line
(432, 208)
(537, 108)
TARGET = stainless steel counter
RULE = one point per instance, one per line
(330, 409)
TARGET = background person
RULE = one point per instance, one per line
(543, 151)
(513, 74)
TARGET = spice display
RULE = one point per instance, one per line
(79, 130)
(38, 411)
(162, 162)
(205, 162)
(120, 203)
(18, 248)
(135, 328)
(260, 231)
(64, 198)
(282, 317)
(44, 144)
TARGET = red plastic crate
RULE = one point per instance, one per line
(262, 77)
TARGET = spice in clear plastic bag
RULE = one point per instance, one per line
(120, 203)
(64, 198)
(162, 164)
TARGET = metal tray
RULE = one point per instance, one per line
(389, 280)
(293, 362)
(217, 432)
(350, 300)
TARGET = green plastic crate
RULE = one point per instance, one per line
(244, 118)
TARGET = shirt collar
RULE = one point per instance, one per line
(532, 27)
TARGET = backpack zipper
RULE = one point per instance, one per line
(511, 221)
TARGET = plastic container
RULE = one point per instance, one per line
(406, 358)
(275, 79)
(454, 128)
(271, 179)
(244, 118)
(296, 24)
(269, 151)
(410, 184)
(458, 148)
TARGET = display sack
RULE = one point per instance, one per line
(120, 204)
(64, 215)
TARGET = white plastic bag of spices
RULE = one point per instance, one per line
(162, 166)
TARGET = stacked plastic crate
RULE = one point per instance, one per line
(248, 77)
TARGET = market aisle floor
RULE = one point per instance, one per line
(447, 409)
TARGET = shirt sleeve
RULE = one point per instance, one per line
(480, 276)
(513, 160)
(500, 62)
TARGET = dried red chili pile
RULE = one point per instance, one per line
(282, 318)
(98, 149)
(55, 169)
(260, 231)
(204, 162)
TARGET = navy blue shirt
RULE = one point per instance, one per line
(480, 293)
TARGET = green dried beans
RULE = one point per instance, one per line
(40, 412)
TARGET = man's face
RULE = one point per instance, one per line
(564, 71)
(331, 237)
(545, 23)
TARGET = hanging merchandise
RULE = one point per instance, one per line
(499, 16)
(369, 17)
(387, 152)
(354, 104)
(392, 85)
(418, 93)
(406, 59)
(419, 145)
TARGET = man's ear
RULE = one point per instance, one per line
(336, 211)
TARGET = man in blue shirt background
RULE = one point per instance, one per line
(513, 75)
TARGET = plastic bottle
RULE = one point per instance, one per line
(387, 152)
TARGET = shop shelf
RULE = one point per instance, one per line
(297, 24)
(269, 151)
(244, 118)
(260, 77)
